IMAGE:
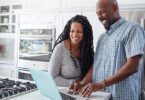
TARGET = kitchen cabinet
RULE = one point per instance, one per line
(8, 39)
(35, 48)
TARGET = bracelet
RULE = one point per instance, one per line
(103, 82)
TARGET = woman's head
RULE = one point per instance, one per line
(76, 33)
(79, 31)
(80, 25)
(83, 29)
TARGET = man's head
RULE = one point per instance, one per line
(108, 12)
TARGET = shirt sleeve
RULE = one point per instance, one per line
(135, 42)
(55, 65)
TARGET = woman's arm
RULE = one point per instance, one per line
(55, 65)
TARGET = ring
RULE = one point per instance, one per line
(88, 89)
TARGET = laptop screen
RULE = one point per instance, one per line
(45, 84)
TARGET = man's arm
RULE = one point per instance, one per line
(128, 69)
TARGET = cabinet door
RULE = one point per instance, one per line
(6, 70)
(7, 51)
(35, 64)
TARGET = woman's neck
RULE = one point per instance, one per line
(75, 46)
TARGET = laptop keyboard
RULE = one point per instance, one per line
(66, 97)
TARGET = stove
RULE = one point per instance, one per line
(10, 87)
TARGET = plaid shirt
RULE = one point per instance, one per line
(124, 40)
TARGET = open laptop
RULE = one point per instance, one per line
(47, 87)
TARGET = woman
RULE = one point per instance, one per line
(73, 52)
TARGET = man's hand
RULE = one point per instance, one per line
(78, 85)
(75, 87)
(89, 88)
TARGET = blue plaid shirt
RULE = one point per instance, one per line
(124, 40)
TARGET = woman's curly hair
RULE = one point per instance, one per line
(86, 47)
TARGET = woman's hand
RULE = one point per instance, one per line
(75, 87)
(89, 88)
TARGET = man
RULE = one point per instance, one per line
(118, 57)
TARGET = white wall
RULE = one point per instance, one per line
(129, 2)
(67, 8)
(46, 4)
(43, 4)
(59, 11)
(51, 4)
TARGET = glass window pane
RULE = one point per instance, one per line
(7, 49)
(4, 9)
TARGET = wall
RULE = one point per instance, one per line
(53, 4)
(59, 11)
(41, 11)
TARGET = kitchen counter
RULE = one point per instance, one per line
(36, 95)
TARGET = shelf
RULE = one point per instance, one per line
(3, 14)
(36, 26)
(24, 71)
(7, 28)
(26, 63)
(37, 32)
(34, 54)
(8, 24)
(6, 14)
(7, 35)
(43, 58)
(36, 36)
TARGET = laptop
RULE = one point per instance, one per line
(47, 87)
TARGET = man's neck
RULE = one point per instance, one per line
(118, 18)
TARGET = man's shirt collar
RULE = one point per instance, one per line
(115, 26)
